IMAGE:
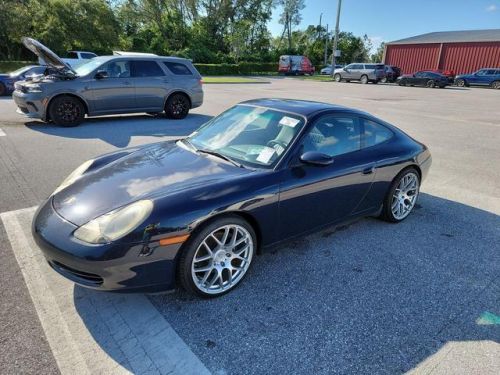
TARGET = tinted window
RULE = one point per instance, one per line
(72, 55)
(86, 55)
(350, 66)
(357, 66)
(117, 69)
(481, 72)
(375, 133)
(369, 66)
(178, 68)
(146, 69)
(333, 135)
(420, 74)
(490, 72)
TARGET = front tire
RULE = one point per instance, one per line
(430, 84)
(460, 82)
(337, 77)
(67, 111)
(402, 196)
(217, 257)
(177, 106)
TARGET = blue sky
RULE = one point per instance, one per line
(386, 20)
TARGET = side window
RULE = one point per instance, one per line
(375, 133)
(369, 66)
(178, 68)
(490, 72)
(87, 55)
(350, 66)
(146, 69)
(419, 74)
(334, 135)
(481, 73)
(117, 69)
(71, 55)
(358, 67)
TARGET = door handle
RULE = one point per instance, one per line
(369, 170)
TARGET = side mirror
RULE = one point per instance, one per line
(344, 69)
(101, 74)
(316, 158)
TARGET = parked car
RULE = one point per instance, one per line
(360, 72)
(423, 78)
(391, 74)
(483, 77)
(8, 80)
(73, 58)
(197, 210)
(446, 72)
(327, 70)
(295, 64)
(108, 85)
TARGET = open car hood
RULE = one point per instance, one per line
(46, 55)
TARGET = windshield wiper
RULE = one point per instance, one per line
(219, 155)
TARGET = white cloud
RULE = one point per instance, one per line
(491, 8)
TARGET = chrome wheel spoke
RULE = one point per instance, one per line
(222, 259)
(405, 196)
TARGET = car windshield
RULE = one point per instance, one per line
(87, 67)
(252, 136)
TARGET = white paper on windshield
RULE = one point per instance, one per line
(289, 121)
(265, 155)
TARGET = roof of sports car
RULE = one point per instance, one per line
(302, 107)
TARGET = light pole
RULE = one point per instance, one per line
(326, 45)
(336, 38)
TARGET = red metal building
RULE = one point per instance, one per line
(461, 51)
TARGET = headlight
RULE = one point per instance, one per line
(33, 88)
(115, 224)
(75, 175)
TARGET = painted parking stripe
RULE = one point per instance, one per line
(2, 133)
(91, 332)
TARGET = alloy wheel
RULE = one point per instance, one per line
(68, 111)
(460, 83)
(496, 85)
(222, 259)
(405, 196)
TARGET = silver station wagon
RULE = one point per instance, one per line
(108, 85)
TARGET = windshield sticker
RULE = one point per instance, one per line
(265, 155)
(289, 121)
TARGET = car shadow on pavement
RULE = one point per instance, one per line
(369, 297)
(118, 130)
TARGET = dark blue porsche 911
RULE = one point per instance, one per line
(197, 210)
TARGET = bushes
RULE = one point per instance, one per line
(9, 66)
(244, 68)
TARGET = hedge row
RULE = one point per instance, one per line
(244, 68)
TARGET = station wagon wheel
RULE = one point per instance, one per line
(383, 80)
(495, 85)
(402, 196)
(364, 79)
(218, 257)
(177, 106)
(431, 83)
(337, 77)
(460, 82)
(66, 111)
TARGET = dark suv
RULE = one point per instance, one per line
(483, 77)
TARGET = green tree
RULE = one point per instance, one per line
(379, 54)
(290, 17)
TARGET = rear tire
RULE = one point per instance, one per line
(384, 80)
(495, 85)
(364, 79)
(337, 77)
(400, 194)
(66, 111)
(430, 84)
(177, 106)
(460, 82)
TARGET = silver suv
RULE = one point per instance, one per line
(360, 72)
(108, 85)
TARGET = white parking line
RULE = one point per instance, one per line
(91, 332)
(2, 133)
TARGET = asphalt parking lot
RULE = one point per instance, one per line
(368, 298)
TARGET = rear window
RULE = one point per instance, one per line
(87, 55)
(375, 133)
(146, 69)
(178, 68)
(71, 55)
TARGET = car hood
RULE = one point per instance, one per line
(47, 56)
(150, 172)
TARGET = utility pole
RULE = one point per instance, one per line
(320, 16)
(336, 38)
(326, 45)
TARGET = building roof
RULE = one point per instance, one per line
(490, 35)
